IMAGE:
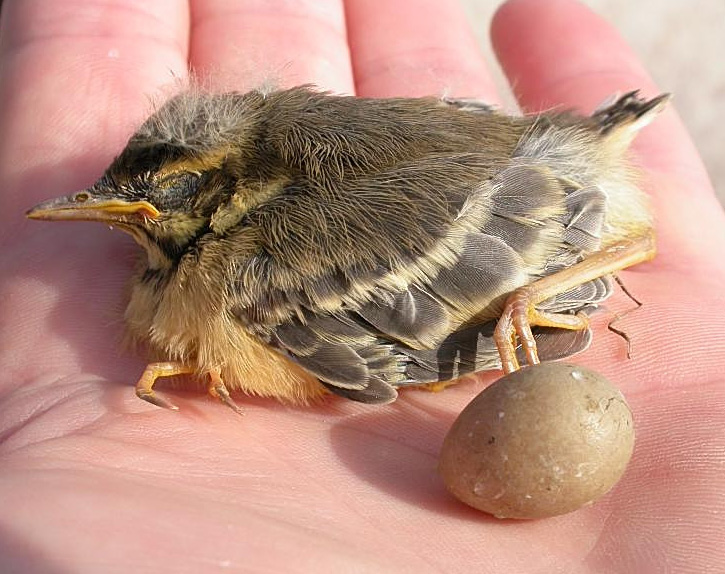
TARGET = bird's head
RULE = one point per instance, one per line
(174, 173)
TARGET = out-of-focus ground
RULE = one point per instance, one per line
(681, 42)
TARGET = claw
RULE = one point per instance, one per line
(144, 387)
(218, 390)
(151, 397)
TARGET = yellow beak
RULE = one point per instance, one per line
(82, 206)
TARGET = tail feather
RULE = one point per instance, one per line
(628, 112)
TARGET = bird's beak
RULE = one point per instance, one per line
(82, 206)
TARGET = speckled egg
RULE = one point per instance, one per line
(542, 441)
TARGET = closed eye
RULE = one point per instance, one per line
(176, 179)
(175, 190)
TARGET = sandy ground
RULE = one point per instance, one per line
(682, 42)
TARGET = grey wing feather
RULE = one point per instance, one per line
(345, 355)
(331, 347)
(376, 392)
(487, 269)
(586, 208)
(587, 294)
(412, 315)
(473, 349)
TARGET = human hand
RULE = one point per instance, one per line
(94, 479)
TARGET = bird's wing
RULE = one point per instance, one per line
(355, 360)
(361, 303)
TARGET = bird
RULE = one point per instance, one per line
(297, 243)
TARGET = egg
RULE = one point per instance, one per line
(542, 441)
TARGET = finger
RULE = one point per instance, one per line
(248, 43)
(560, 53)
(74, 80)
(415, 48)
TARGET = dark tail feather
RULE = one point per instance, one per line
(629, 111)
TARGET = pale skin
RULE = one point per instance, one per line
(94, 479)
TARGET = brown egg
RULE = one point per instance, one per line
(542, 441)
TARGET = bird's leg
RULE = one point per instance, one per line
(144, 387)
(520, 313)
(218, 390)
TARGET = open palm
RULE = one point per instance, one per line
(94, 480)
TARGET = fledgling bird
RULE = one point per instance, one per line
(298, 242)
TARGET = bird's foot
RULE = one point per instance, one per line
(218, 390)
(144, 386)
(520, 312)
(519, 316)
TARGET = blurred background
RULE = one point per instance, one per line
(682, 43)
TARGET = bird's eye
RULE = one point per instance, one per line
(81, 197)
(173, 191)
